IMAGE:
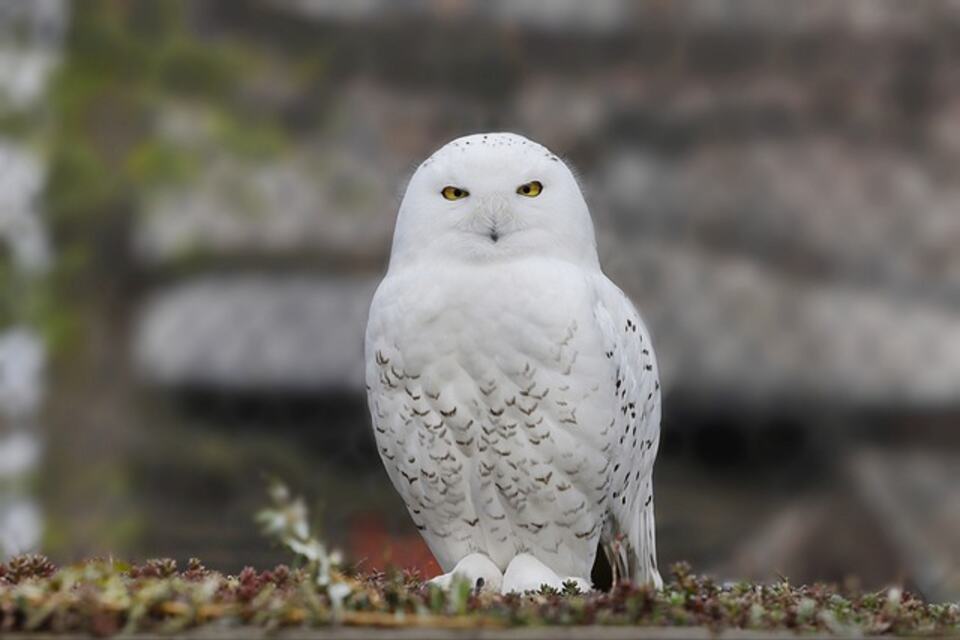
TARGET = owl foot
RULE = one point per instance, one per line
(477, 569)
(526, 573)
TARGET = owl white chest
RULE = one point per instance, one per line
(489, 390)
(491, 311)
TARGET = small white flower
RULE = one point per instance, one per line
(338, 592)
(310, 549)
(894, 597)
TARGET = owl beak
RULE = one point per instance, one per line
(495, 215)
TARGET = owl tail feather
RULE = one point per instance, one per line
(642, 554)
(631, 547)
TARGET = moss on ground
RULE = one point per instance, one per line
(104, 597)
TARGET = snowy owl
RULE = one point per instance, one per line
(513, 388)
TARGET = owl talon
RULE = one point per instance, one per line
(526, 573)
(476, 569)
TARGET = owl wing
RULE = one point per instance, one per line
(629, 534)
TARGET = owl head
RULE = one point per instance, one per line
(493, 197)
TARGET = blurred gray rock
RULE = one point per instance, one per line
(334, 207)
(815, 209)
(31, 35)
(256, 333)
(737, 332)
(21, 228)
(22, 364)
(867, 17)
(564, 15)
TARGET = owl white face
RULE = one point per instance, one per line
(493, 197)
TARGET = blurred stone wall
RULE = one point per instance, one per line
(773, 187)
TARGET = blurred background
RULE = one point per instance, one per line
(196, 203)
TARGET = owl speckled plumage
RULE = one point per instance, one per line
(513, 388)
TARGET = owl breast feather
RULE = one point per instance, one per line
(491, 396)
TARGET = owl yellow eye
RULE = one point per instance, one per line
(454, 193)
(530, 189)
